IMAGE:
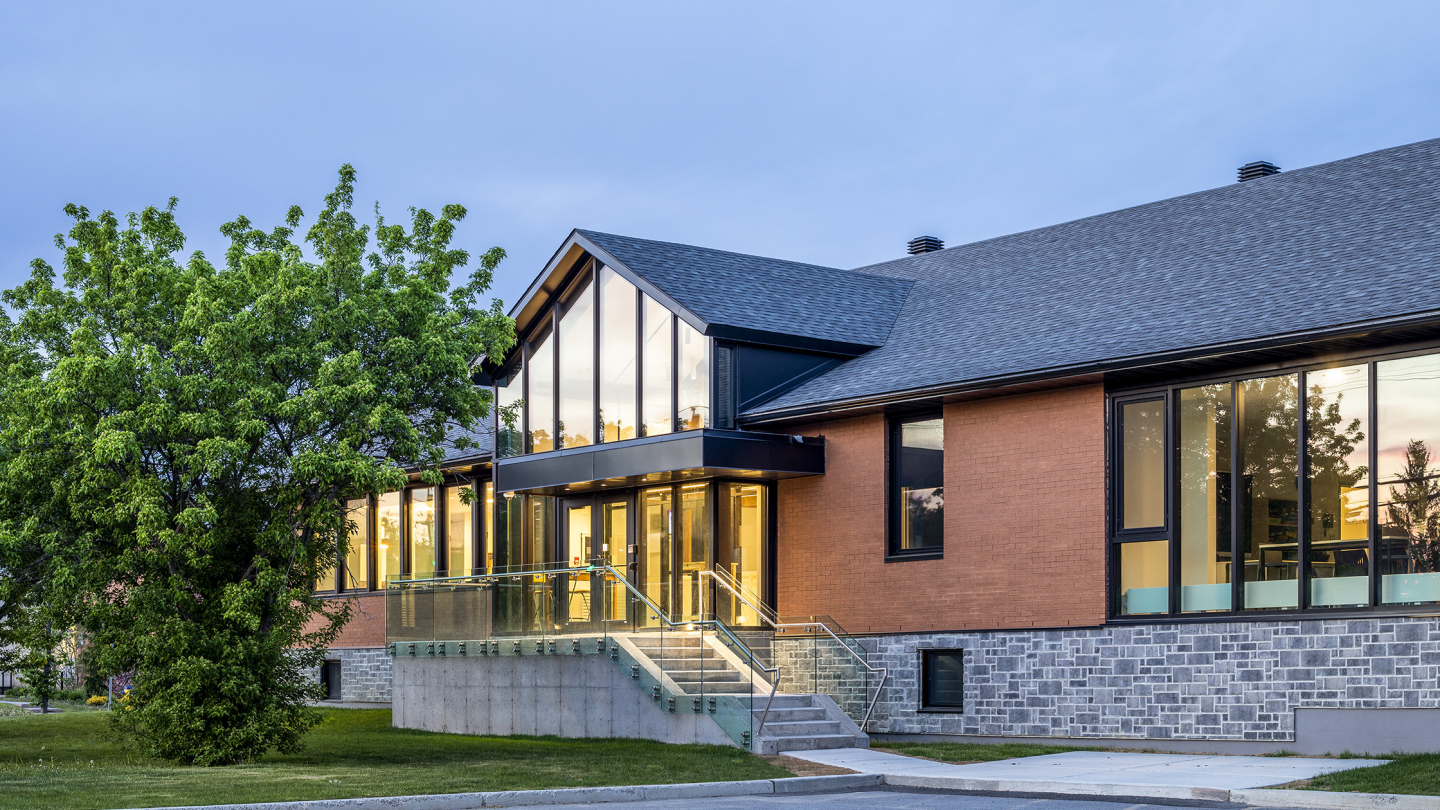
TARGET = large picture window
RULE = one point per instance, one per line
(1257, 494)
(917, 486)
(607, 363)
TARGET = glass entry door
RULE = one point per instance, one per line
(595, 529)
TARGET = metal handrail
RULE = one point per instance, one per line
(777, 625)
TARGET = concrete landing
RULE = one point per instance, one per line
(1099, 768)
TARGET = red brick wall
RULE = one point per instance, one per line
(366, 627)
(1024, 522)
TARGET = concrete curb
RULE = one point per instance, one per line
(593, 795)
(1060, 788)
(1329, 800)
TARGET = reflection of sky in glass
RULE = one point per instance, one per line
(929, 434)
(1409, 408)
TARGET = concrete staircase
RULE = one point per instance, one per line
(698, 664)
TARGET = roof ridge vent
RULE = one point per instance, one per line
(923, 244)
(1260, 168)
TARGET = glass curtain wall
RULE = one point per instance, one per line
(509, 399)
(656, 561)
(1337, 407)
(540, 404)
(576, 349)
(694, 549)
(387, 528)
(692, 410)
(1408, 479)
(658, 363)
(356, 576)
(619, 357)
(459, 534)
(423, 546)
(744, 524)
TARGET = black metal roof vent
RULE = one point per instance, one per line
(924, 244)
(1260, 168)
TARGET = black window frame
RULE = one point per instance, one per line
(1170, 389)
(893, 513)
(926, 703)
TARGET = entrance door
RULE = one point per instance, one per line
(574, 597)
(595, 529)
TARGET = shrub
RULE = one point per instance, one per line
(96, 700)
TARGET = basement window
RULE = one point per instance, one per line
(942, 680)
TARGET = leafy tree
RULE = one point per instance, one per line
(177, 440)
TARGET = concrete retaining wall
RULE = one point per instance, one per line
(563, 695)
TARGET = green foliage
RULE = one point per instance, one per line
(177, 440)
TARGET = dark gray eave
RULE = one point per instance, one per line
(1320, 257)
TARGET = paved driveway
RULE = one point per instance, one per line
(1099, 768)
(880, 799)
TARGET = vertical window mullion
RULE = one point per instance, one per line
(1237, 561)
(1374, 506)
(1172, 527)
(1302, 494)
(639, 364)
(441, 516)
(597, 317)
(555, 374)
(674, 373)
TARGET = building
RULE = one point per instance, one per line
(1191, 449)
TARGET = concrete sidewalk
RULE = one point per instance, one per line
(1097, 768)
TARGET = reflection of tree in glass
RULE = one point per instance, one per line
(1414, 508)
(924, 509)
(1332, 441)
(1271, 433)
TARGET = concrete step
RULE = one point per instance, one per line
(788, 715)
(678, 675)
(803, 729)
(784, 701)
(715, 688)
(813, 742)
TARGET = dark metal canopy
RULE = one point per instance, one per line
(683, 456)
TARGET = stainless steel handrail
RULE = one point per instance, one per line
(776, 624)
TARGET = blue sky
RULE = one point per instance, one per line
(828, 132)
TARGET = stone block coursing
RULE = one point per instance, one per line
(1222, 681)
(364, 674)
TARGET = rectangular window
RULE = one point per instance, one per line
(942, 679)
(540, 403)
(356, 576)
(1269, 530)
(577, 369)
(509, 416)
(1408, 479)
(487, 528)
(387, 529)
(1144, 578)
(423, 544)
(1309, 490)
(659, 369)
(656, 552)
(619, 356)
(459, 534)
(1142, 462)
(917, 485)
(1204, 503)
(325, 581)
(1337, 408)
(693, 408)
(694, 540)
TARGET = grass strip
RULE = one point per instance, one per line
(68, 762)
(1410, 774)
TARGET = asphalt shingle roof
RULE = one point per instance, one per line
(771, 295)
(1315, 248)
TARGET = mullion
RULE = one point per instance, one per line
(1373, 534)
(1302, 490)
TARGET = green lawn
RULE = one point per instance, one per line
(1417, 774)
(66, 761)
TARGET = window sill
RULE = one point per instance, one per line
(918, 555)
